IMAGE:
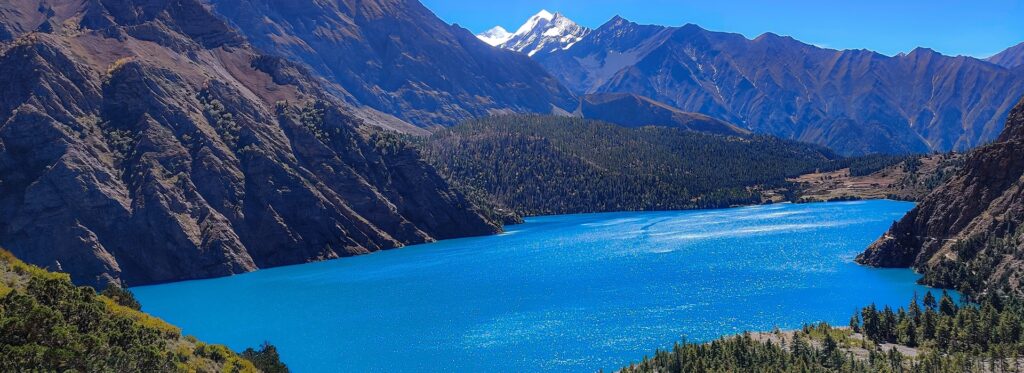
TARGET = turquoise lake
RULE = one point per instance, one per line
(559, 293)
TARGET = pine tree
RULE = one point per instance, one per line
(913, 310)
(929, 300)
(946, 305)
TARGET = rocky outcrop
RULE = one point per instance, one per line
(144, 141)
(966, 234)
(853, 101)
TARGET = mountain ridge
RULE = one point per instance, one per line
(854, 101)
(1012, 57)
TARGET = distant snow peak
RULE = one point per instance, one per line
(543, 32)
(538, 20)
(495, 36)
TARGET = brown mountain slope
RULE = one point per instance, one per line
(966, 234)
(1012, 57)
(398, 57)
(853, 101)
(144, 141)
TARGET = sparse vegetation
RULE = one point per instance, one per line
(222, 121)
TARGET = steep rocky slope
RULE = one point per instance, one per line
(145, 141)
(966, 234)
(398, 57)
(853, 101)
(633, 111)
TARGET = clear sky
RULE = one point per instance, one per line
(976, 28)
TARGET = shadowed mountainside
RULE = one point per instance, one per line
(630, 110)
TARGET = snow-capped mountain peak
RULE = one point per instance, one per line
(536, 20)
(543, 32)
(496, 36)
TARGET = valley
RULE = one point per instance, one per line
(363, 185)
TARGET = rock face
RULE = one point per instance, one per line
(145, 141)
(853, 101)
(966, 233)
(398, 57)
(634, 111)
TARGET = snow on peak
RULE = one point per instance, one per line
(543, 32)
(495, 36)
(539, 19)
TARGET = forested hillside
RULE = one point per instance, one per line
(930, 335)
(49, 324)
(552, 165)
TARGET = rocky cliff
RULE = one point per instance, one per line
(145, 141)
(966, 234)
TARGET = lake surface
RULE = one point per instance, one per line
(558, 293)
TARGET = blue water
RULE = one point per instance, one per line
(558, 293)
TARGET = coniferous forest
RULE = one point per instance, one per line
(540, 165)
(933, 334)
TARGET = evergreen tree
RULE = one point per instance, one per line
(929, 300)
(121, 296)
(946, 305)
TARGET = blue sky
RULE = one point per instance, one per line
(976, 28)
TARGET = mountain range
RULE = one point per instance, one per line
(854, 101)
